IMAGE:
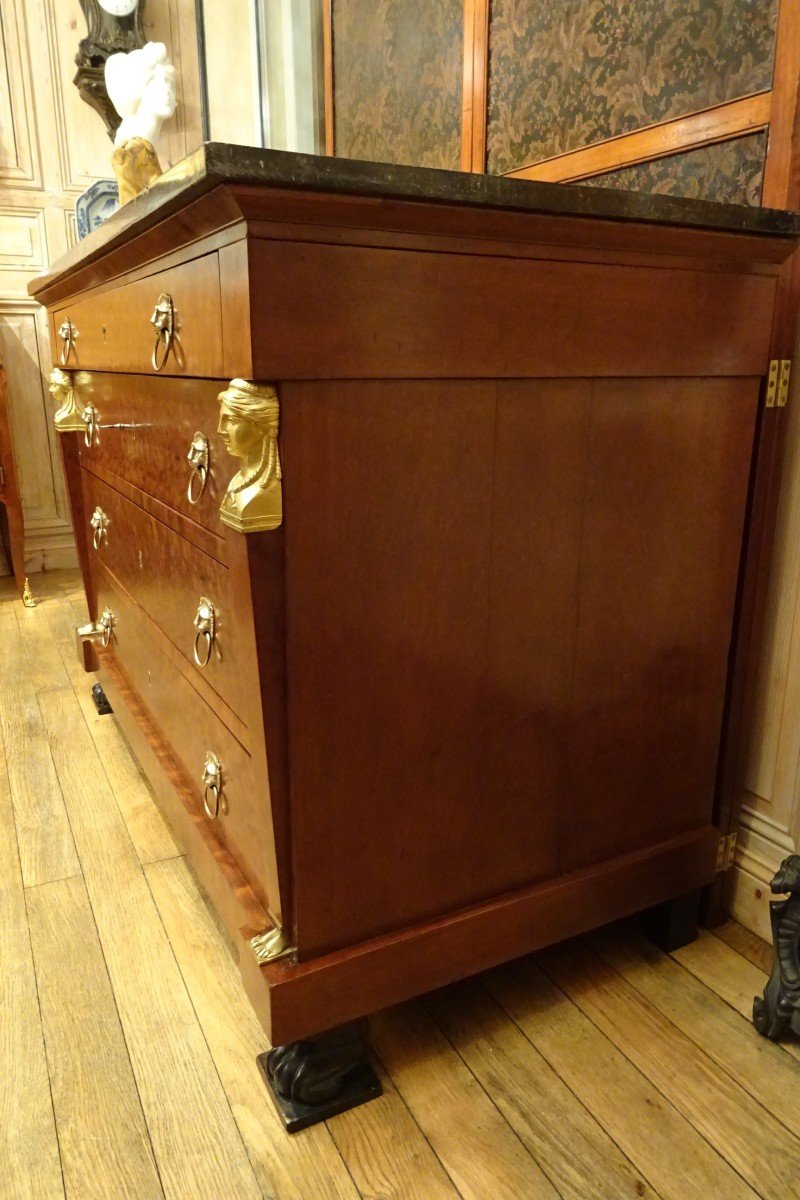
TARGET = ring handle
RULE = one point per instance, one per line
(205, 622)
(197, 485)
(163, 321)
(107, 623)
(198, 458)
(212, 785)
(99, 524)
(91, 419)
(68, 333)
(203, 642)
(211, 790)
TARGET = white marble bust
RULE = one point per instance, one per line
(141, 86)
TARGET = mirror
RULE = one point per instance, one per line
(261, 73)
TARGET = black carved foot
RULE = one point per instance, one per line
(101, 701)
(778, 1010)
(674, 923)
(315, 1079)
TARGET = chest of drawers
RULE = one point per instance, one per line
(421, 632)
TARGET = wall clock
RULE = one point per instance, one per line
(115, 26)
(118, 8)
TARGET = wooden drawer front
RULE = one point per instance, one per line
(146, 427)
(191, 729)
(167, 575)
(114, 332)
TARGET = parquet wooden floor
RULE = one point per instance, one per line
(601, 1068)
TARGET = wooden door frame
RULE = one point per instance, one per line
(775, 109)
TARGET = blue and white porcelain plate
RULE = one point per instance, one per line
(96, 204)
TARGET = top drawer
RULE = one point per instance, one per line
(112, 330)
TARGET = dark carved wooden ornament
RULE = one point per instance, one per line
(106, 35)
(319, 1077)
(778, 1010)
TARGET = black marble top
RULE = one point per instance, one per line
(216, 162)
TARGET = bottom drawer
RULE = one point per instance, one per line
(191, 729)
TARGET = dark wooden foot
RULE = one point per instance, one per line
(312, 1080)
(101, 701)
(778, 1010)
(674, 923)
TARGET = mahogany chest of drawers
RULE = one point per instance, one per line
(421, 632)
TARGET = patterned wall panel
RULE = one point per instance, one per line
(397, 80)
(729, 172)
(569, 74)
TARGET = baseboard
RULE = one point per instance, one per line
(761, 847)
(49, 551)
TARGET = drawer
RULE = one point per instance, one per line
(146, 426)
(113, 330)
(167, 575)
(191, 729)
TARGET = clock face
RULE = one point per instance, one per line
(118, 8)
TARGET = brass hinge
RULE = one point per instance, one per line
(726, 852)
(778, 382)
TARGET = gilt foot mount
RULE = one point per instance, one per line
(317, 1078)
(778, 1010)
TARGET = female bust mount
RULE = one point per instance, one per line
(141, 86)
(248, 423)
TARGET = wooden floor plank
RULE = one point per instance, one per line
(105, 1147)
(386, 1153)
(733, 978)
(746, 943)
(46, 847)
(286, 1168)
(481, 1153)
(677, 1162)
(757, 1064)
(756, 1145)
(45, 666)
(30, 1168)
(197, 1145)
(147, 828)
(724, 970)
(577, 1155)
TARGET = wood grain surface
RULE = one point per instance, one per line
(170, 1059)
(102, 1137)
(675, 1159)
(29, 1152)
(423, 521)
(146, 426)
(192, 728)
(471, 317)
(44, 837)
(653, 1044)
(115, 333)
(168, 575)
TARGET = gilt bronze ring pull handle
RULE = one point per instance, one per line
(107, 623)
(99, 523)
(212, 785)
(68, 333)
(198, 457)
(91, 419)
(163, 321)
(205, 623)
